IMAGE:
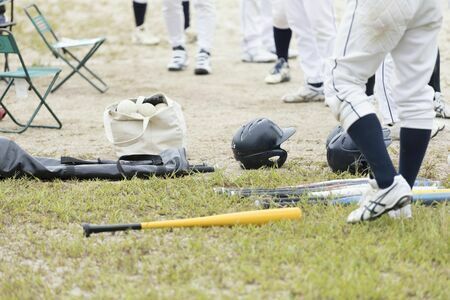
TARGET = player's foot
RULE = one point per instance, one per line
(440, 107)
(2, 113)
(375, 202)
(203, 64)
(307, 93)
(258, 56)
(179, 60)
(402, 213)
(143, 37)
(279, 73)
(395, 130)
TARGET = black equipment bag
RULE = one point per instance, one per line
(16, 163)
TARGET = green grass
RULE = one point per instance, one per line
(44, 255)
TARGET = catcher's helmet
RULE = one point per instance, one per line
(257, 144)
(343, 155)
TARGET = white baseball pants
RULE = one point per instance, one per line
(256, 25)
(313, 23)
(408, 29)
(384, 79)
(205, 22)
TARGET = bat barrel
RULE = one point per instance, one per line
(91, 228)
(256, 217)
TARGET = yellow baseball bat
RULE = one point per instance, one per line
(256, 217)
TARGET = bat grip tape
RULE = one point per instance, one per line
(90, 228)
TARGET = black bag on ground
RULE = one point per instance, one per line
(16, 163)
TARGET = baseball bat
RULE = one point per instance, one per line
(255, 217)
(356, 190)
(423, 196)
(307, 188)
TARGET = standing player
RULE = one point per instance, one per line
(256, 26)
(313, 23)
(173, 15)
(369, 31)
(141, 35)
(282, 35)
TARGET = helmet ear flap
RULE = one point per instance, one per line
(272, 158)
(282, 156)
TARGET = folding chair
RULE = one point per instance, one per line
(60, 49)
(8, 46)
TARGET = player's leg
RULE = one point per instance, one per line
(187, 14)
(383, 90)
(267, 25)
(413, 94)
(206, 22)
(174, 19)
(140, 34)
(323, 21)
(440, 106)
(386, 101)
(190, 34)
(360, 49)
(310, 59)
(282, 36)
(252, 42)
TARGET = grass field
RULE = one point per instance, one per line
(44, 254)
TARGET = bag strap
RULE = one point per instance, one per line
(68, 160)
(138, 159)
(142, 159)
(145, 123)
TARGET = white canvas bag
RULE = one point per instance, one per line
(135, 134)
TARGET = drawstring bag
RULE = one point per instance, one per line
(145, 132)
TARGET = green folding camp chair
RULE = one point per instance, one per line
(60, 49)
(8, 46)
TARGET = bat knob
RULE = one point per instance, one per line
(86, 229)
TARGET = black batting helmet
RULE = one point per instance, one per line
(257, 144)
(343, 155)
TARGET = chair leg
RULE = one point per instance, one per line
(86, 68)
(81, 65)
(42, 102)
(8, 112)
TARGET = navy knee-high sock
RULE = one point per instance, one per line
(368, 137)
(413, 145)
(282, 39)
(187, 15)
(139, 12)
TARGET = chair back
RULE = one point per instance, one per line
(42, 26)
(8, 45)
